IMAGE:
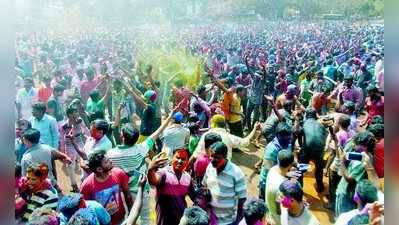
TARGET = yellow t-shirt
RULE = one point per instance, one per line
(235, 105)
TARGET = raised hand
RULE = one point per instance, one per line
(269, 98)
(160, 160)
(142, 180)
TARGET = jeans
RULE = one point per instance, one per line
(318, 161)
(333, 180)
(236, 129)
(251, 107)
(145, 208)
(262, 189)
(70, 171)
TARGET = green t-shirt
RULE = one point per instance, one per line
(356, 171)
(92, 107)
(305, 94)
(192, 143)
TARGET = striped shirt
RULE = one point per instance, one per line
(80, 132)
(131, 159)
(47, 198)
(226, 189)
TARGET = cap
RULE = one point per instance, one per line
(150, 95)
(178, 117)
(291, 88)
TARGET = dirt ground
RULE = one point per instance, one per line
(246, 159)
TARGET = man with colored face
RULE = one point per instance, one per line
(225, 210)
(365, 194)
(293, 209)
(97, 141)
(37, 190)
(172, 184)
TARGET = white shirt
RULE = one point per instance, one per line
(273, 181)
(231, 141)
(92, 146)
(26, 99)
(306, 218)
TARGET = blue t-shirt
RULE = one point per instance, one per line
(102, 215)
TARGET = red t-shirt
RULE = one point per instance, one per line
(182, 95)
(86, 87)
(44, 93)
(379, 158)
(374, 108)
(108, 193)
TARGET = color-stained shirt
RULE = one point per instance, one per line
(102, 215)
(93, 107)
(226, 189)
(355, 170)
(305, 94)
(314, 137)
(226, 102)
(91, 145)
(374, 108)
(108, 193)
(86, 88)
(353, 94)
(170, 196)
(256, 90)
(379, 158)
(46, 198)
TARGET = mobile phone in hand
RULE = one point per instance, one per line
(303, 168)
(354, 156)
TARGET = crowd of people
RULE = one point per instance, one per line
(308, 96)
